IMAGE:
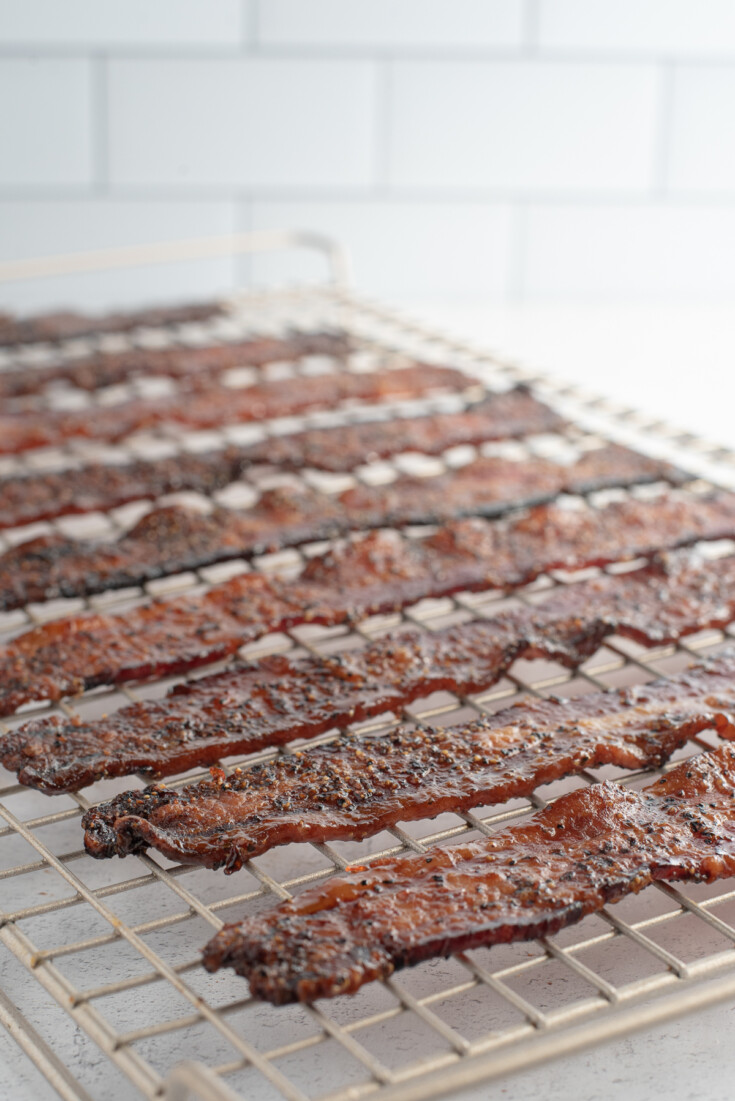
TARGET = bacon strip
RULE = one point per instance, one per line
(169, 540)
(275, 700)
(500, 417)
(379, 573)
(194, 365)
(43, 496)
(589, 848)
(352, 789)
(67, 325)
(215, 406)
(27, 498)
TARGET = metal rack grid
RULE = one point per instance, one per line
(115, 943)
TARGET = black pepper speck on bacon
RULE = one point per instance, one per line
(170, 540)
(351, 789)
(516, 885)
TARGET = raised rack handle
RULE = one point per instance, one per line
(197, 248)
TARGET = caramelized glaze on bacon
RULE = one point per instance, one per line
(589, 848)
(169, 540)
(27, 498)
(500, 417)
(42, 496)
(215, 405)
(381, 572)
(352, 789)
(194, 365)
(67, 325)
(276, 700)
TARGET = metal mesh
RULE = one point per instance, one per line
(116, 943)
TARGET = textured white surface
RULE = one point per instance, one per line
(685, 1061)
(690, 1060)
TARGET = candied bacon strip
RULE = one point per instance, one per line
(489, 486)
(214, 406)
(193, 365)
(588, 848)
(27, 498)
(275, 701)
(501, 416)
(170, 540)
(65, 325)
(352, 789)
(42, 496)
(379, 573)
(68, 656)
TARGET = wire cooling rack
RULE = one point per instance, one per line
(103, 988)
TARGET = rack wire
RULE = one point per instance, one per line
(111, 949)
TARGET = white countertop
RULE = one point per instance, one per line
(678, 363)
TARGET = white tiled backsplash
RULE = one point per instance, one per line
(506, 149)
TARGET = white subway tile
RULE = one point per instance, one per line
(702, 151)
(399, 249)
(526, 126)
(45, 121)
(237, 122)
(387, 23)
(110, 23)
(630, 252)
(43, 228)
(650, 26)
